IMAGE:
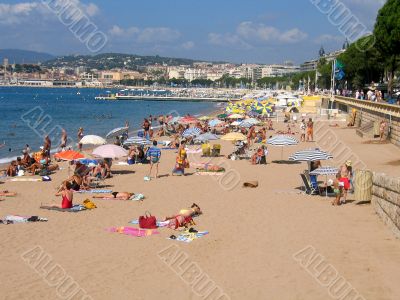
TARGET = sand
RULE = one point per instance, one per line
(250, 252)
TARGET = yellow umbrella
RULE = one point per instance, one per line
(204, 118)
(234, 136)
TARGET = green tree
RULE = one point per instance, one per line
(387, 36)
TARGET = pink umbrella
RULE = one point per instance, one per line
(188, 120)
(110, 151)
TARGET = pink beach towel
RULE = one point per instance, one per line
(133, 231)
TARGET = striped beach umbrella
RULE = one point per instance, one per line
(310, 155)
(325, 171)
(191, 132)
(117, 131)
(282, 140)
(136, 140)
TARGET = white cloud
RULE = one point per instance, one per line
(262, 33)
(146, 35)
(227, 39)
(188, 45)
(27, 12)
(249, 33)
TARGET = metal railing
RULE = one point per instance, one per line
(388, 109)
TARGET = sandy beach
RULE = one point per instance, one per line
(258, 245)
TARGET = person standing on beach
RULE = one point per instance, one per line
(47, 145)
(382, 128)
(153, 155)
(146, 128)
(80, 136)
(303, 128)
(310, 130)
(64, 137)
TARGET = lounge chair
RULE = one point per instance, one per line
(206, 150)
(216, 150)
(308, 188)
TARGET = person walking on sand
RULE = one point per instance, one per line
(382, 128)
(63, 143)
(47, 145)
(310, 130)
(303, 128)
(80, 136)
(153, 155)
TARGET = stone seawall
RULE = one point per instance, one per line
(386, 200)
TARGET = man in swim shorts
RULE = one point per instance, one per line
(154, 155)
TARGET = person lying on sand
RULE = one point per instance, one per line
(184, 217)
(116, 195)
(67, 197)
(7, 194)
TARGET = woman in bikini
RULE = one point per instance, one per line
(184, 217)
(116, 196)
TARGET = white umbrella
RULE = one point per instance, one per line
(325, 171)
(310, 155)
(136, 140)
(92, 140)
(116, 132)
(110, 151)
(235, 116)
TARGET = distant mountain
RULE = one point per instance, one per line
(24, 56)
(107, 61)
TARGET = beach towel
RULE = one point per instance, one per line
(207, 173)
(122, 163)
(193, 151)
(11, 219)
(132, 231)
(188, 237)
(21, 179)
(94, 191)
(75, 208)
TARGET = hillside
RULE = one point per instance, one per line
(24, 56)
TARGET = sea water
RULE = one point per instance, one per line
(28, 114)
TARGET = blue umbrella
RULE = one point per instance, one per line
(215, 122)
(191, 132)
(206, 137)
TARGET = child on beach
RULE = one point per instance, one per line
(337, 189)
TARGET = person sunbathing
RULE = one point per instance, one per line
(116, 196)
(67, 197)
(184, 217)
(7, 194)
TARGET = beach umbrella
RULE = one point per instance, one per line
(174, 120)
(310, 155)
(87, 161)
(191, 132)
(236, 123)
(116, 132)
(245, 124)
(234, 136)
(215, 122)
(110, 151)
(325, 171)
(251, 121)
(188, 120)
(222, 116)
(136, 140)
(204, 118)
(235, 116)
(69, 155)
(282, 140)
(206, 137)
(92, 140)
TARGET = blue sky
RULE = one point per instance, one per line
(269, 31)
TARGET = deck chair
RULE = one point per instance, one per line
(206, 150)
(216, 150)
(308, 188)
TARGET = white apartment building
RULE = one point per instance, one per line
(277, 70)
(192, 74)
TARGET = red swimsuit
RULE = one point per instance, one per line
(66, 203)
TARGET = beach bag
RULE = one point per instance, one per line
(147, 221)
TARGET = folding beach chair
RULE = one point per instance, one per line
(206, 150)
(308, 188)
(216, 150)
